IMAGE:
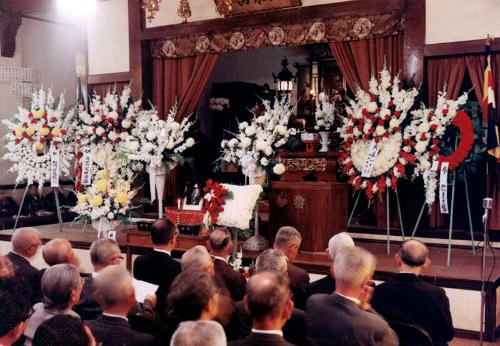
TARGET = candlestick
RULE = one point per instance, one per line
(178, 204)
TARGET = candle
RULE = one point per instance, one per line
(178, 204)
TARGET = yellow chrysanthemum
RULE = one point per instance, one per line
(56, 131)
(30, 131)
(102, 173)
(19, 132)
(101, 185)
(82, 198)
(96, 201)
(39, 146)
(38, 114)
(122, 198)
(44, 131)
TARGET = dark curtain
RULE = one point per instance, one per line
(358, 60)
(445, 72)
(181, 80)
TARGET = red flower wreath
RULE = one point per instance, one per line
(464, 125)
(214, 205)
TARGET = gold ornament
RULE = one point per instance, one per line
(184, 11)
(224, 7)
(151, 7)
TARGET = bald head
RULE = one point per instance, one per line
(198, 258)
(59, 251)
(413, 253)
(338, 242)
(25, 241)
(219, 241)
(267, 294)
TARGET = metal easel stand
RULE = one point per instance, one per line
(58, 208)
(388, 226)
(21, 206)
(450, 230)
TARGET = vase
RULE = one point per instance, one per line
(256, 242)
(103, 226)
(157, 179)
(325, 141)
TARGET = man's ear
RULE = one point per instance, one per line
(397, 259)
(427, 263)
(287, 310)
(245, 305)
(328, 254)
(332, 270)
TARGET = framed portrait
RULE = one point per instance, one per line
(193, 197)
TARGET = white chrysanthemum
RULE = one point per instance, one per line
(279, 169)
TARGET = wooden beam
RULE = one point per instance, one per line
(460, 47)
(9, 24)
(26, 6)
(361, 7)
(109, 78)
(135, 25)
(414, 42)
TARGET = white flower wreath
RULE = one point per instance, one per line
(376, 117)
(36, 134)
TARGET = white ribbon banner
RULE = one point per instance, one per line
(54, 168)
(443, 188)
(370, 160)
(87, 167)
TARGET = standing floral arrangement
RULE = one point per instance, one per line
(103, 129)
(154, 140)
(35, 135)
(256, 144)
(422, 138)
(214, 200)
(373, 130)
(324, 115)
(109, 196)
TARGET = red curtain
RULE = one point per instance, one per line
(358, 60)
(445, 71)
(182, 81)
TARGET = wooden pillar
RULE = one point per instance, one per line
(414, 42)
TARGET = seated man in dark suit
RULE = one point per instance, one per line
(193, 296)
(199, 333)
(103, 253)
(13, 318)
(221, 246)
(269, 302)
(33, 202)
(158, 267)
(288, 240)
(25, 244)
(116, 294)
(326, 285)
(406, 298)
(294, 330)
(63, 330)
(346, 317)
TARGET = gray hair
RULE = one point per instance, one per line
(56, 251)
(353, 265)
(338, 242)
(114, 286)
(24, 238)
(285, 236)
(102, 251)
(196, 257)
(199, 333)
(58, 282)
(271, 260)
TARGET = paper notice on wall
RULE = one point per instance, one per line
(370, 160)
(21, 89)
(54, 168)
(443, 188)
(15, 73)
(87, 167)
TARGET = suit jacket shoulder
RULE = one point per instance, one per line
(115, 331)
(257, 339)
(324, 285)
(234, 281)
(29, 273)
(87, 307)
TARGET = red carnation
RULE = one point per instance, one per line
(103, 117)
(374, 119)
(63, 132)
(397, 114)
(34, 121)
(31, 139)
(120, 117)
(371, 130)
(103, 135)
(381, 183)
(435, 141)
(42, 140)
(366, 136)
(55, 142)
(53, 119)
(365, 112)
(433, 127)
(349, 129)
(50, 136)
(25, 135)
(373, 97)
(30, 115)
(44, 116)
(381, 122)
(390, 104)
(132, 117)
(423, 137)
(111, 120)
(445, 111)
(386, 134)
(116, 123)
(376, 139)
(18, 141)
